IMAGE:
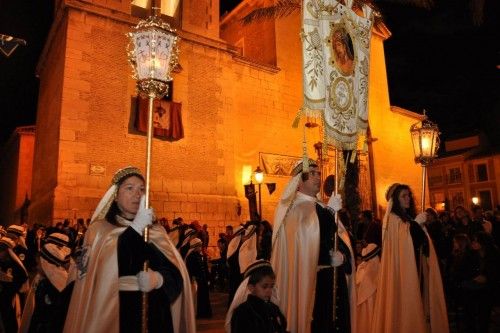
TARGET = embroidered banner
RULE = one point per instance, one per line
(278, 165)
(336, 53)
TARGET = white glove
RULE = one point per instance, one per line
(421, 218)
(335, 202)
(143, 218)
(149, 280)
(336, 258)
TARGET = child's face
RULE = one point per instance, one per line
(263, 289)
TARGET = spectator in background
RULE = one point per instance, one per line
(464, 224)
(435, 230)
(205, 238)
(478, 218)
(229, 233)
(457, 272)
(365, 218)
(479, 288)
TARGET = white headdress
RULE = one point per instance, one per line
(288, 196)
(235, 241)
(194, 244)
(54, 255)
(108, 198)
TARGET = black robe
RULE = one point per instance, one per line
(257, 316)
(198, 270)
(51, 307)
(9, 289)
(323, 320)
(234, 275)
(132, 252)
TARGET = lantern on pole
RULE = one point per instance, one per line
(259, 178)
(153, 53)
(425, 140)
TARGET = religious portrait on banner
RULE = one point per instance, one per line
(167, 118)
(342, 50)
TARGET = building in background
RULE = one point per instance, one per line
(16, 165)
(469, 168)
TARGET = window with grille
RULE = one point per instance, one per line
(454, 176)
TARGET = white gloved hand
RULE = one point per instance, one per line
(143, 218)
(421, 218)
(149, 280)
(336, 258)
(335, 202)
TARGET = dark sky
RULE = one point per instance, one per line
(436, 59)
(30, 21)
(440, 61)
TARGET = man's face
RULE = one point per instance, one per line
(313, 183)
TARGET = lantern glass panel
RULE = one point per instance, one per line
(415, 137)
(427, 142)
(153, 50)
(259, 177)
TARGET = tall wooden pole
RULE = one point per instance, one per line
(335, 239)
(144, 326)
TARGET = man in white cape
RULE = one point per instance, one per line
(303, 257)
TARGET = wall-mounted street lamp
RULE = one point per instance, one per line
(259, 178)
(425, 140)
(255, 208)
(475, 200)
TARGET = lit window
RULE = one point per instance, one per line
(168, 7)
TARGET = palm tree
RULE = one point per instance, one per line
(283, 8)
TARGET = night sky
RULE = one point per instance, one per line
(436, 59)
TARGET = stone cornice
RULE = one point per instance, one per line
(123, 18)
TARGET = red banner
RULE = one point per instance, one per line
(167, 119)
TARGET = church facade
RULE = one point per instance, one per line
(238, 87)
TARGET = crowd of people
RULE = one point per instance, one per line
(316, 269)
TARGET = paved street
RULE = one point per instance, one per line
(216, 323)
(219, 307)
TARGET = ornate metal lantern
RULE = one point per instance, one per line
(153, 53)
(425, 139)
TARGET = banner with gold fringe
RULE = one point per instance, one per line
(336, 53)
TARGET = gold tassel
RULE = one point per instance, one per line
(353, 156)
(296, 121)
(305, 159)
